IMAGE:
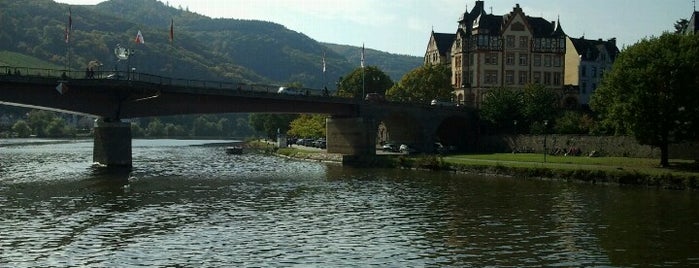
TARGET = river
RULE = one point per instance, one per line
(188, 204)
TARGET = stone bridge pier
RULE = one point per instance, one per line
(351, 135)
(112, 143)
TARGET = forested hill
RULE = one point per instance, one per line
(203, 48)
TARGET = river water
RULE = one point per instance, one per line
(188, 204)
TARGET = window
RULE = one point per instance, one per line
(510, 41)
(583, 88)
(594, 71)
(491, 58)
(523, 59)
(510, 60)
(523, 42)
(537, 60)
(491, 77)
(557, 78)
(557, 61)
(522, 77)
(583, 70)
(547, 60)
(537, 77)
(547, 78)
(510, 77)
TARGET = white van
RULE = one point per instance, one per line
(290, 91)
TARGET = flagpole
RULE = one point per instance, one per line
(67, 37)
(363, 84)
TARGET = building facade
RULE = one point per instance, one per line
(586, 61)
(504, 51)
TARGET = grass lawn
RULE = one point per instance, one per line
(641, 165)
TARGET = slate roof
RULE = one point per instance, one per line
(444, 42)
(493, 23)
(693, 25)
(588, 49)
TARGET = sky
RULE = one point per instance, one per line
(404, 26)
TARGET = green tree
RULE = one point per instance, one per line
(574, 122)
(58, 127)
(681, 25)
(22, 129)
(651, 91)
(38, 120)
(540, 103)
(423, 84)
(307, 126)
(364, 80)
(271, 124)
(502, 107)
(155, 128)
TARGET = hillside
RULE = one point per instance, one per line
(203, 48)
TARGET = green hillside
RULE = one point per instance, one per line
(16, 59)
(246, 51)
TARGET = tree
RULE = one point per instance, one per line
(306, 126)
(502, 107)
(681, 25)
(271, 124)
(651, 92)
(364, 80)
(22, 129)
(423, 84)
(540, 103)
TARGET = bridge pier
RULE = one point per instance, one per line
(112, 143)
(351, 136)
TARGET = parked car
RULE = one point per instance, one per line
(320, 143)
(374, 97)
(389, 147)
(404, 148)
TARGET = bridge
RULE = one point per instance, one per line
(352, 125)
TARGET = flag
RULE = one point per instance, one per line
(172, 30)
(323, 61)
(362, 63)
(69, 26)
(139, 38)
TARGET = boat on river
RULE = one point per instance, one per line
(234, 150)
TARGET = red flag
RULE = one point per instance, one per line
(139, 38)
(69, 27)
(172, 30)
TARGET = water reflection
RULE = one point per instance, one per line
(196, 206)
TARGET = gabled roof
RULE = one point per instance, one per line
(479, 19)
(443, 41)
(589, 49)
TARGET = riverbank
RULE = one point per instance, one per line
(682, 175)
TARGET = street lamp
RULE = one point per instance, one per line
(514, 141)
(546, 123)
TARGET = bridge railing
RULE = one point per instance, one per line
(139, 77)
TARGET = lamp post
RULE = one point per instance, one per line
(546, 123)
(514, 140)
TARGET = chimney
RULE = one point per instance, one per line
(479, 8)
(613, 41)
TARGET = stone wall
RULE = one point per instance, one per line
(602, 145)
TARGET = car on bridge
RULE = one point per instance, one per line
(291, 91)
(436, 102)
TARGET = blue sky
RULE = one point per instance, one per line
(403, 26)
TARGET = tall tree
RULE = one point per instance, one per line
(651, 91)
(681, 25)
(540, 103)
(362, 81)
(308, 126)
(423, 84)
(502, 107)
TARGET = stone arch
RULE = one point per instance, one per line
(456, 131)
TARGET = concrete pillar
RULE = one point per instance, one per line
(351, 136)
(112, 144)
